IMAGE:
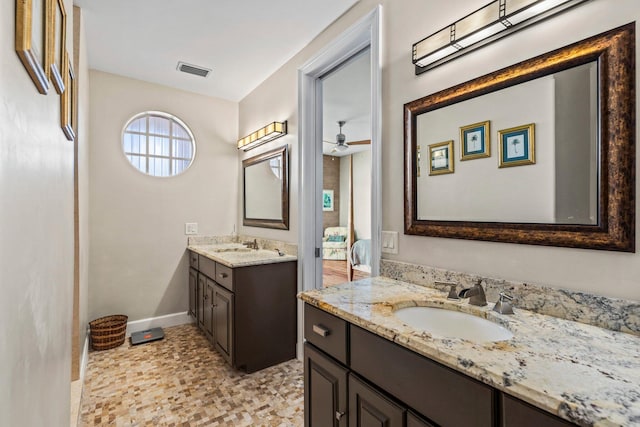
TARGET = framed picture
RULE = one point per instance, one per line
(31, 40)
(441, 158)
(475, 141)
(327, 200)
(66, 100)
(517, 146)
(57, 29)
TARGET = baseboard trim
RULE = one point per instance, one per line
(85, 357)
(165, 321)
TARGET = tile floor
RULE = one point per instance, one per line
(180, 381)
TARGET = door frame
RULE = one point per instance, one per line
(364, 33)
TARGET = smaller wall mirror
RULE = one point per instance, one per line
(266, 189)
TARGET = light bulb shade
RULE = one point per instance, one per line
(265, 134)
(487, 24)
(342, 147)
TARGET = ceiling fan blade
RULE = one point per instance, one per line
(362, 142)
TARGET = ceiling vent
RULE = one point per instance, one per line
(193, 69)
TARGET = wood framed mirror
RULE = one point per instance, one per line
(579, 188)
(266, 189)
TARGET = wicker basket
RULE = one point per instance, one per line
(108, 332)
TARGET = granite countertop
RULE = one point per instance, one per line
(582, 373)
(237, 255)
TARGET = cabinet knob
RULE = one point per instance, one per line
(206, 297)
(223, 275)
(339, 415)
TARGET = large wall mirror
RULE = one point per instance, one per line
(266, 189)
(542, 152)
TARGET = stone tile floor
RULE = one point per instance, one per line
(181, 381)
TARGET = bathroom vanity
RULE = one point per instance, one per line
(365, 367)
(244, 302)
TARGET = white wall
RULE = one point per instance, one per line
(404, 23)
(479, 190)
(83, 183)
(36, 244)
(361, 193)
(138, 265)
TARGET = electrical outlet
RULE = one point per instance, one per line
(190, 228)
(390, 242)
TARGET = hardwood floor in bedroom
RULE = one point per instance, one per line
(334, 272)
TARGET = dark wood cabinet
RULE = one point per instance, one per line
(325, 390)
(193, 291)
(249, 314)
(445, 396)
(223, 322)
(370, 408)
(389, 385)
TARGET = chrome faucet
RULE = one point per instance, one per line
(475, 294)
(251, 245)
(503, 306)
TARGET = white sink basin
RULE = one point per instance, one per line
(452, 324)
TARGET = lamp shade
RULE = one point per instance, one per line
(487, 24)
(265, 134)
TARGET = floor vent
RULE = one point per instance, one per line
(193, 69)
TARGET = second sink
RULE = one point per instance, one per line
(452, 324)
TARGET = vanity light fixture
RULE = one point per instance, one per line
(487, 24)
(268, 133)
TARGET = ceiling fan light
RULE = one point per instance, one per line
(342, 147)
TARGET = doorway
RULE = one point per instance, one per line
(346, 170)
(362, 35)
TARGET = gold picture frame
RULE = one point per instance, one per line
(475, 141)
(66, 99)
(517, 146)
(32, 41)
(441, 159)
(57, 36)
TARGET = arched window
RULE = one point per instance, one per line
(158, 144)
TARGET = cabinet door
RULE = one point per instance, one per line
(193, 290)
(223, 322)
(369, 408)
(202, 286)
(325, 390)
(207, 316)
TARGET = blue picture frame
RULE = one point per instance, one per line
(517, 146)
(475, 141)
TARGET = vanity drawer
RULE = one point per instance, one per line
(516, 413)
(193, 260)
(326, 331)
(443, 395)
(207, 267)
(224, 276)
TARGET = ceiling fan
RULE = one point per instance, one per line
(341, 140)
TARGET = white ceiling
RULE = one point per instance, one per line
(243, 41)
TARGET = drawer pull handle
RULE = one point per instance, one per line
(339, 415)
(223, 275)
(321, 330)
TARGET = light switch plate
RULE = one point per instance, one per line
(390, 242)
(190, 228)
